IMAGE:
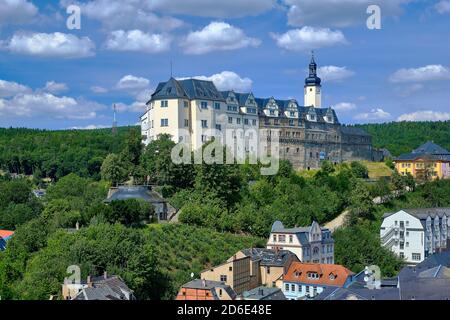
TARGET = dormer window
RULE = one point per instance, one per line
(332, 276)
(313, 275)
(272, 112)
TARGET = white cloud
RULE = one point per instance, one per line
(409, 89)
(98, 89)
(308, 38)
(132, 83)
(216, 9)
(427, 73)
(443, 6)
(46, 104)
(136, 107)
(427, 115)
(228, 80)
(344, 106)
(90, 127)
(10, 89)
(374, 114)
(333, 73)
(54, 87)
(338, 13)
(59, 45)
(125, 14)
(136, 40)
(215, 37)
(16, 11)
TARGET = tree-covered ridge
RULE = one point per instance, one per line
(55, 154)
(403, 137)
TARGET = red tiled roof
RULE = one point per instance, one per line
(329, 274)
(5, 233)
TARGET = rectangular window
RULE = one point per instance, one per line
(246, 122)
(274, 238)
(272, 112)
(286, 287)
(218, 127)
(230, 120)
(268, 270)
(293, 287)
(204, 123)
(238, 120)
(232, 108)
(223, 278)
(282, 238)
(164, 103)
(291, 238)
(204, 105)
(186, 104)
(164, 122)
(291, 123)
(217, 105)
(186, 122)
(254, 122)
(416, 256)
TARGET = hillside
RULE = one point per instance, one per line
(402, 137)
(55, 154)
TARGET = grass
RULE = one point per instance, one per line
(377, 170)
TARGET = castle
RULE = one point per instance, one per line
(191, 110)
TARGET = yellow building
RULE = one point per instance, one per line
(429, 161)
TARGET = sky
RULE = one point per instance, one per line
(56, 77)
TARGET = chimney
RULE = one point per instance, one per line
(203, 283)
(105, 275)
(261, 291)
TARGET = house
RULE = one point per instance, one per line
(307, 280)
(5, 236)
(263, 294)
(310, 244)
(429, 280)
(98, 288)
(163, 209)
(268, 265)
(429, 161)
(39, 193)
(251, 268)
(415, 234)
(206, 290)
(235, 272)
(194, 111)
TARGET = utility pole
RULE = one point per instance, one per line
(114, 127)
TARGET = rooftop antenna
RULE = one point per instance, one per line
(171, 69)
(114, 128)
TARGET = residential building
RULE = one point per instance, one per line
(428, 162)
(163, 210)
(206, 290)
(263, 294)
(5, 236)
(268, 266)
(235, 272)
(429, 280)
(307, 280)
(415, 234)
(98, 288)
(251, 268)
(310, 244)
(194, 111)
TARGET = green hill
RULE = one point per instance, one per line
(403, 137)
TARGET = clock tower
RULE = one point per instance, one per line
(313, 87)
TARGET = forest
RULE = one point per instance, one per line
(403, 137)
(224, 208)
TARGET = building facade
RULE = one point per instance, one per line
(428, 162)
(206, 290)
(193, 112)
(310, 244)
(308, 280)
(415, 234)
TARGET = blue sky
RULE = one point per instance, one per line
(56, 78)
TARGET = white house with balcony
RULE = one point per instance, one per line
(414, 234)
(310, 244)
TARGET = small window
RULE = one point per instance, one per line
(230, 120)
(204, 105)
(164, 103)
(223, 278)
(230, 269)
(217, 106)
(254, 122)
(186, 104)
(164, 122)
(246, 122)
(286, 287)
(186, 122)
(204, 123)
(238, 120)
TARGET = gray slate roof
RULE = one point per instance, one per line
(210, 285)
(135, 192)
(428, 150)
(270, 257)
(423, 213)
(187, 89)
(264, 293)
(112, 288)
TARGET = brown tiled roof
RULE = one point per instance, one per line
(298, 272)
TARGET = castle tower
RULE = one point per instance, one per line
(313, 92)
